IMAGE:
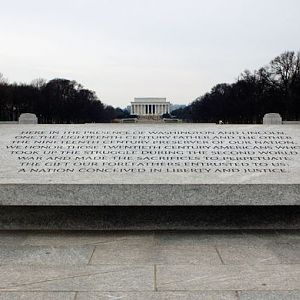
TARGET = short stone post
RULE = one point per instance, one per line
(272, 119)
(28, 119)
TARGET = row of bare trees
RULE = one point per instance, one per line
(273, 88)
(56, 101)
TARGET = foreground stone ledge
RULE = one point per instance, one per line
(181, 154)
(149, 165)
(149, 194)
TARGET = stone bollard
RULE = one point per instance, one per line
(272, 119)
(28, 118)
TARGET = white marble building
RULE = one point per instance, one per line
(150, 106)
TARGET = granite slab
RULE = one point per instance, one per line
(269, 295)
(228, 277)
(149, 165)
(76, 278)
(37, 296)
(33, 255)
(210, 295)
(155, 255)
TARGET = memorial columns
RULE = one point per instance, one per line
(150, 109)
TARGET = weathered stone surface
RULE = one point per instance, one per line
(19, 255)
(37, 296)
(31, 280)
(77, 238)
(269, 295)
(76, 278)
(210, 295)
(248, 254)
(289, 236)
(228, 277)
(12, 238)
(167, 165)
(217, 238)
(155, 255)
(148, 195)
(287, 253)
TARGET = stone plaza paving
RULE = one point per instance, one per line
(150, 265)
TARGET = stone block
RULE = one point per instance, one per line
(272, 119)
(28, 118)
(149, 165)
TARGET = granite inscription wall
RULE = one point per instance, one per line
(150, 154)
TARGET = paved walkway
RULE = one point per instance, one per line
(150, 265)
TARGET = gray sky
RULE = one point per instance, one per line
(123, 49)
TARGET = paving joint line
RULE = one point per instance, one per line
(219, 254)
(155, 279)
(89, 262)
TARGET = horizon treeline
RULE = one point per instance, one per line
(273, 88)
(55, 101)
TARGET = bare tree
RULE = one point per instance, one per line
(2, 79)
(38, 83)
(285, 69)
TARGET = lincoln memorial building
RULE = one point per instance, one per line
(150, 106)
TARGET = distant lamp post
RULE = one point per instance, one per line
(14, 109)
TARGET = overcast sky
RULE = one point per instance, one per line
(123, 49)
